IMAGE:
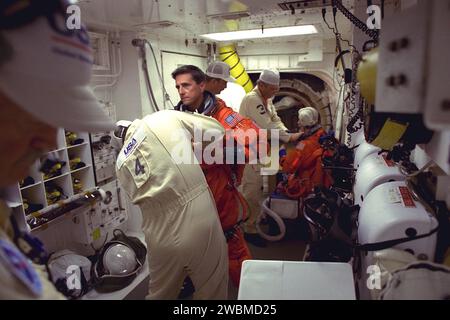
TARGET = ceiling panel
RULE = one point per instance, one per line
(186, 19)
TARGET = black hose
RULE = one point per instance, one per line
(147, 79)
(355, 21)
(159, 73)
(140, 43)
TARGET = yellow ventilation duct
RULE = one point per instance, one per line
(229, 55)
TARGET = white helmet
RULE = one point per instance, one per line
(118, 137)
(119, 260)
(308, 117)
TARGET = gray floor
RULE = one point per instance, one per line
(286, 250)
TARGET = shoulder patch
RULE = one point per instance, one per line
(131, 145)
(20, 267)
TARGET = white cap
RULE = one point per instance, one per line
(270, 77)
(118, 136)
(308, 117)
(48, 75)
(220, 70)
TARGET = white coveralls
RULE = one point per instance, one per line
(180, 221)
(19, 278)
(265, 116)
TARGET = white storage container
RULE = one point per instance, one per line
(374, 170)
(296, 280)
(390, 212)
(362, 152)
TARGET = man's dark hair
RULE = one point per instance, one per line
(197, 74)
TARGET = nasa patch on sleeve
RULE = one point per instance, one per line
(129, 148)
(14, 261)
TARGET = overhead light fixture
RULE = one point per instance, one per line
(261, 33)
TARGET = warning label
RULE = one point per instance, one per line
(407, 198)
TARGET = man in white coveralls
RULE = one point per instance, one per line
(180, 221)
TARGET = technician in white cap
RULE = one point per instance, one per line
(45, 71)
(217, 77)
(220, 83)
(258, 106)
(180, 221)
